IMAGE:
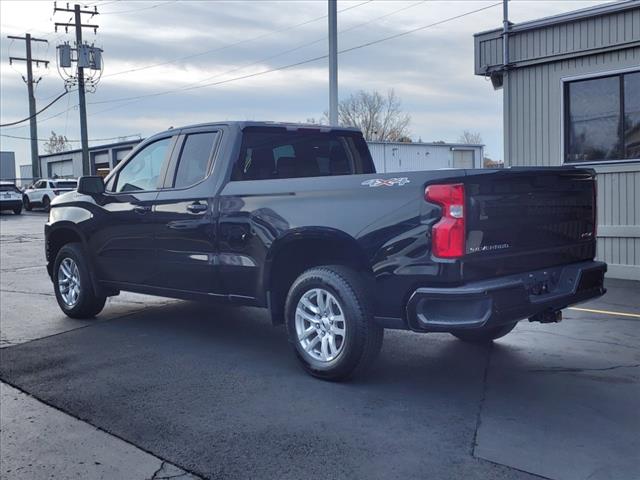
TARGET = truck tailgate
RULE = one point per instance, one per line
(519, 220)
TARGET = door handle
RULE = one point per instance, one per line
(197, 207)
(142, 209)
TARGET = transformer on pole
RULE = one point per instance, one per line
(87, 57)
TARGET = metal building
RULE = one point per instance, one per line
(102, 158)
(407, 157)
(7, 166)
(572, 97)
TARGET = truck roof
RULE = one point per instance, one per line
(241, 124)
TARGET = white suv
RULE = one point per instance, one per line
(43, 191)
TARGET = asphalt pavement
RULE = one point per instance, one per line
(216, 392)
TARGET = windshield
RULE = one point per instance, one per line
(65, 184)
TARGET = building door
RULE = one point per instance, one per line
(63, 168)
(463, 159)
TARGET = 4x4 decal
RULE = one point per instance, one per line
(386, 182)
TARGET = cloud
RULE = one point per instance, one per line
(430, 70)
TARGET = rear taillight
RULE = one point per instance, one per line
(448, 235)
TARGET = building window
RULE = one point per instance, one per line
(602, 119)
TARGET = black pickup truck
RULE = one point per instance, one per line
(294, 218)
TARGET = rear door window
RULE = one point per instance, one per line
(272, 153)
(195, 159)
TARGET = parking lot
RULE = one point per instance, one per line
(157, 388)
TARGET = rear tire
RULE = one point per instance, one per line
(322, 302)
(17, 210)
(484, 336)
(27, 203)
(71, 272)
(46, 203)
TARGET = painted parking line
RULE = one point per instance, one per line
(605, 312)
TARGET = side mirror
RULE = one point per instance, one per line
(91, 185)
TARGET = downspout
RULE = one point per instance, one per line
(506, 109)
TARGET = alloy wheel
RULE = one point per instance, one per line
(69, 282)
(320, 325)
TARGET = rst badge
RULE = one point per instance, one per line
(386, 182)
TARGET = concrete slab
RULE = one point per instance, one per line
(562, 400)
(25, 317)
(40, 442)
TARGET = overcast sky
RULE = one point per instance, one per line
(174, 45)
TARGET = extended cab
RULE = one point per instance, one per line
(295, 219)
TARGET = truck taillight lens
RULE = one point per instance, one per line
(448, 235)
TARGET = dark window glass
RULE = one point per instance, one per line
(594, 120)
(9, 188)
(278, 153)
(632, 115)
(194, 159)
(143, 170)
(65, 184)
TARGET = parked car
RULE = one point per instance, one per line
(44, 190)
(295, 219)
(10, 197)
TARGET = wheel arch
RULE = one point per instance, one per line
(301, 249)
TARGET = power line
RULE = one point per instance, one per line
(297, 64)
(139, 9)
(73, 141)
(231, 45)
(36, 113)
(299, 47)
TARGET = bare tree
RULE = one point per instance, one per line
(468, 137)
(56, 143)
(379, 117)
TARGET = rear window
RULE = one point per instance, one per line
(9, 188)
(270, 153)
(65, 184)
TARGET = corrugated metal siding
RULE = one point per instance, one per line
(407, 157)
(533, 104)
(534, 136)
(573, 38)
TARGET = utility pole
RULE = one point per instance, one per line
(333, 63)
(78, 25)
(35, 159)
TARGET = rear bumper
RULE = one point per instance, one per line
(506, 299)
(10, 204)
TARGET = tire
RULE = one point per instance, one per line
(86, 303)
(46, 203)
(347, 297)
(27, 203)
(484, 336)
(17, 211)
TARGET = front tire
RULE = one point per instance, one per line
(484, 336)
(72, 284)
(330, 323)
(27, 203)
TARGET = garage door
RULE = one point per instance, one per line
(63, 168)
(463, 159)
